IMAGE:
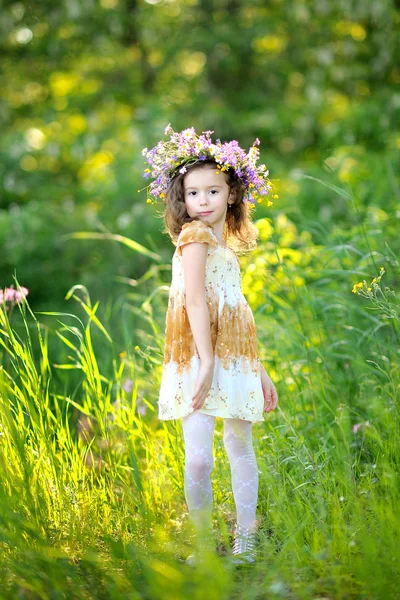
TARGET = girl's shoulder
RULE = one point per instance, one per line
(196, 224)
(196, 231)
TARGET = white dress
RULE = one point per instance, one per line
(236, 390)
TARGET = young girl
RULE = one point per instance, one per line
(211, 365)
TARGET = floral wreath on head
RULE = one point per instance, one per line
(167, 158)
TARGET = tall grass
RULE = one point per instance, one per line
(91, 494)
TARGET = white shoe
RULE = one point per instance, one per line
(243, 550)
(206, 545)
(195, 559)
(192, 560)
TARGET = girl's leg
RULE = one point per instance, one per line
(198, 432)
(238, 443)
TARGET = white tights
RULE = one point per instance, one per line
(198, 432)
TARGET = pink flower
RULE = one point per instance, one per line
(12, 295)
(358, 425)
(141, 408)
(9, 294)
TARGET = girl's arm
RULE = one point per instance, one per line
(194, 258)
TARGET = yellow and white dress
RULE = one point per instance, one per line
(236, 390)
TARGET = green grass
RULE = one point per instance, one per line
(91, 495)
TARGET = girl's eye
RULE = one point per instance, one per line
(211, 190)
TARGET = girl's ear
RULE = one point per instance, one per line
(232, 194)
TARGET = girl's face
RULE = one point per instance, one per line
(206, 190)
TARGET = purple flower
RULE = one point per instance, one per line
(128, 386)
(141, 408)
(186, 147)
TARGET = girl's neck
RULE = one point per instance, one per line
(220, 242)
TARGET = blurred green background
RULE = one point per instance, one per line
(91, 494)
(86, 85)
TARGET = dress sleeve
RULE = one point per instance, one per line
(196, 231)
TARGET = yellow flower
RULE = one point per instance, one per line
(275, 196)
(369, 289)
(162, 195)
(137, 348)
(122, 354)
(356, 287)
(149, 200)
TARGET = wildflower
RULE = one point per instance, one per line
(141, 408)
(186, 147)
(356, 427)
(356, 287)
(128, 386)
(13, 296)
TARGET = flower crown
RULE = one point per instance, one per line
(186, 148)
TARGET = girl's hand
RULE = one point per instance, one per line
(269, 391)
(204, 382)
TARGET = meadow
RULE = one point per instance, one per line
(91, 495)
